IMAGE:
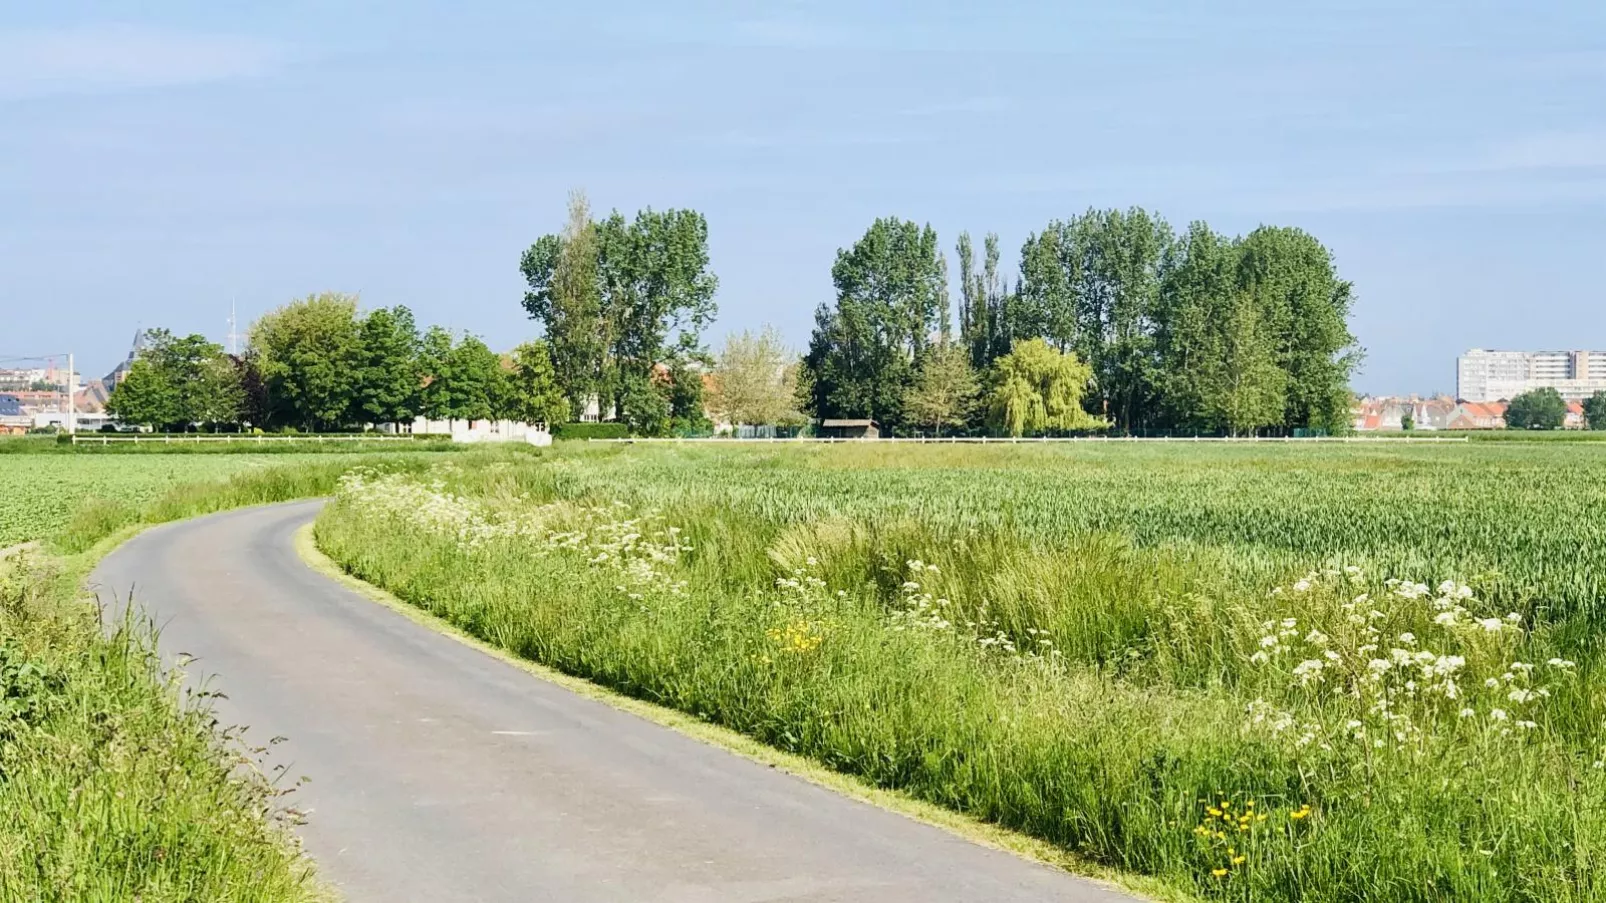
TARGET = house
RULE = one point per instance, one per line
(1389, 412)
(1575, 419)
(850, 429)
(12, 419)
(1479, 415)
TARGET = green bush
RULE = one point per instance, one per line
(590, 431)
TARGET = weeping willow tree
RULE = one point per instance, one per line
(1037, 389)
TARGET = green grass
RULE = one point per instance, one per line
(44, 492)
(113, 785)
(1089, 660)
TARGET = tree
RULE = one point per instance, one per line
(1595, 411)
(180, 382)
(755, 380)
(1407, 422)
(611, 294)
(308, 354)
(387, 378)
(534, 395)
(220, 393)
(644, 406)
(566, 296)
(1217, 357)
(144, 397)
(470, 383)
(1293, 282)
(944, 392)
(1037, 388)
(866, 349)
(687, 406)
(1092, 284)
(1537, 409)
(655, 282)
(434, 360)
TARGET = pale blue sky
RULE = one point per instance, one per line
(161, 157)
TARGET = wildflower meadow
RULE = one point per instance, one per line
(1312, 673)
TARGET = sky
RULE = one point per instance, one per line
(160, 160)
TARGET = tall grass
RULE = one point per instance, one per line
(114, 786)
(977, 629)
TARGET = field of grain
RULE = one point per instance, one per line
(1317, 673)
(39, 493)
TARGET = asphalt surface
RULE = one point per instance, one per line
(439, 773)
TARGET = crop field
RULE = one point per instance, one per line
(1319, 673)
(40, 493)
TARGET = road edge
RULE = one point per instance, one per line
(955, 823)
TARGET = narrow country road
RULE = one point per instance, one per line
(439, 773)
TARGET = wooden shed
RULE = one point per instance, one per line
(850, 429)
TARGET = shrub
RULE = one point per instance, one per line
(590, 431)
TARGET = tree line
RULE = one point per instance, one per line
(1113, 321)
(1198, 332)
(319, 364)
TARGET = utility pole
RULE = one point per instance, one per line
(72, 398)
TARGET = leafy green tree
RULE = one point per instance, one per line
(618, 297)
(388, 378)
(644, 406)
(755, 380)
(434, 360)
(866, 349)
(177, 383)
(1037, 388)
(944, 391)
(534, 393)
(1595, 411)
(1304, 304)
(471, 384)
(1407, 422)
(308, 355)
(655, 282)
(688, 411)
(565, 294)
(1092, 285)
(220, 393)
(145, 397)
(1218, 365)
(1537, 409)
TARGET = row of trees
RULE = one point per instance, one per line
(1114, 321)
(321, 364)
(1199, 332)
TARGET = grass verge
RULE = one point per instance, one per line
(716, 735)
(115, 785)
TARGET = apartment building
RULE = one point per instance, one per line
(1482, 375)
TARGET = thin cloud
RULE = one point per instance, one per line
(102, 58)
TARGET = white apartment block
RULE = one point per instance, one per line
(1502, 375)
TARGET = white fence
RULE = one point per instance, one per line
(1030, 440)
(108, 439)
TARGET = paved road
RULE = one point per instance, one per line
(439, 773)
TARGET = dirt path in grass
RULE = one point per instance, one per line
(440, 773)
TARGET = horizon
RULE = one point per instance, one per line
(1453, 160)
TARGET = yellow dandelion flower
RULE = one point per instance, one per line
(1239, 860)
(1219, 873)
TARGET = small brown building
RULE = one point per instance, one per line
(850, 429)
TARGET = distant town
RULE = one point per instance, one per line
(1485, 383)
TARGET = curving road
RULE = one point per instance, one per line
(439, 773)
